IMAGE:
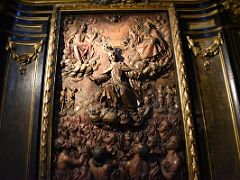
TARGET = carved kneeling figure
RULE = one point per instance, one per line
(171, 164)
(65, 161)
(101, 164)
(138, 167)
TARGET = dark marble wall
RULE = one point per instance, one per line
(214, 93)
(214, 90)
(21, 94)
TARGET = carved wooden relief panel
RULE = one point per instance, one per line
(117, 108)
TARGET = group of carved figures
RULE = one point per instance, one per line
(144, 47)
(67, 101)
(85, 151)
(148, 55)
(105, 108)
(147, 49)
(167, 99)
(128, 127)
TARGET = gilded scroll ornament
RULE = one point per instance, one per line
(25, 58)
(185, 99)
(205, 53)
(232, 5)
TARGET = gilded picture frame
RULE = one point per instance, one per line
(49, 82)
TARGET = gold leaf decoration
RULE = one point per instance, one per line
(47, 99)
(185, 99)
(205, 54)
(24, 58)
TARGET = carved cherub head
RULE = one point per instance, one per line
(110, 138)
(83, 28)
(127, 136)
(112, 56)
(153, 141)
(164, 126)
(148, 24)
(173, 143)
(62, 144)
(141, 150)
(99, 155)
(160, 20)
(147, 99)
(59, 142)
(126, 41)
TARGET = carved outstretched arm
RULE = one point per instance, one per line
(77, 162)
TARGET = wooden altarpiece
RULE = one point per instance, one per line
(116, 99)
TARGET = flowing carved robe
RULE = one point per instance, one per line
(116, 86)
(152, 45)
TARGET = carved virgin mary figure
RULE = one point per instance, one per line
(116, 88)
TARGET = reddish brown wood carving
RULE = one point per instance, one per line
(117, 112)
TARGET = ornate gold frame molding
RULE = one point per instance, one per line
(47, 108)
(205, 54)
(117, 1)
(185, 99)
(25, 58)
(104, 2)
